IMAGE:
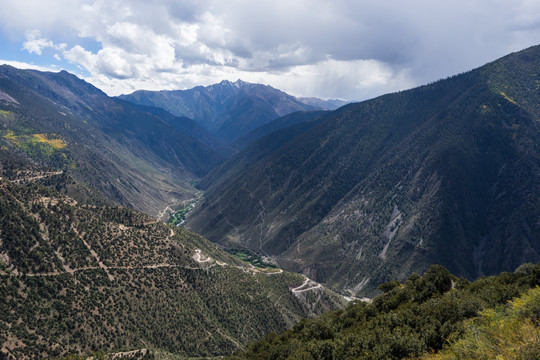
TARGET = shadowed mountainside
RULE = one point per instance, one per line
(445, 173)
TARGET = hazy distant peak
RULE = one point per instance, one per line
(230, 109)
(329, 104)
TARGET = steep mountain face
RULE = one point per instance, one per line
(137, 156)
(228, 109)
(286, 129)
(447, 173)
(275, 125)
(77, 277)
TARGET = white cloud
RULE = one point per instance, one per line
(35, 43)
(339, 79)
(24, 65)
(345, 48)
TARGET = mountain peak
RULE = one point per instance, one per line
(239, 83)
(227, 109)
(230, 84)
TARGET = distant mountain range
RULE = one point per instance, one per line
(330, 104)
(446, 173)
(230, 110)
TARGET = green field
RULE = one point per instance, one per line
(179, 217)
(250, 257)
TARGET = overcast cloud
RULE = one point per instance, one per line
(347, 49)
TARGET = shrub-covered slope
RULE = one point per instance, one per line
(78, 277)
(419, 318)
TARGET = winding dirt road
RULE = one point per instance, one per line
(305, 287)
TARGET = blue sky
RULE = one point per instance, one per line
(348, 49)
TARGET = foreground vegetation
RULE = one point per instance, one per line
(504, 332)
(434, 316)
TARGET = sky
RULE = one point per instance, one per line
(347, 49)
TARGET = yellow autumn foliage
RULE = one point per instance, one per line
(52, 140)
(10, 135)
(508, 98)
(4, 113)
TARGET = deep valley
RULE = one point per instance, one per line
(238, 220)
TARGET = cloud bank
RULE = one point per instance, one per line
(341, 49)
